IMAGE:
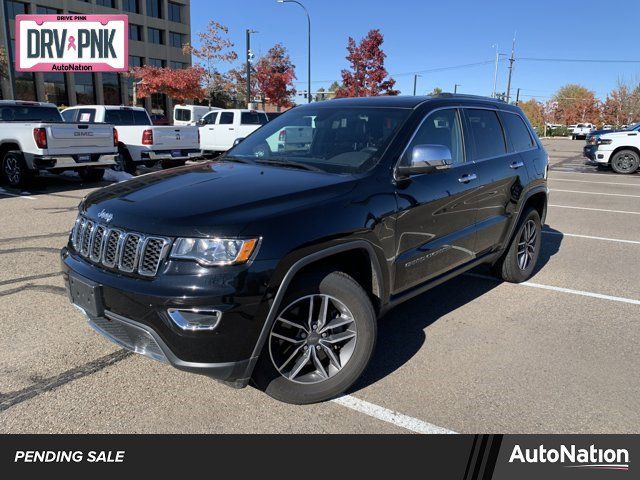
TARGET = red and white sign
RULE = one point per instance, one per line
(72, 43)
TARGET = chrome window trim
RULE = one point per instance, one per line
(166, 243)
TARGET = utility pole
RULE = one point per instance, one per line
(415, 82)
(455, 87)
(511, 60)
(10, 59)
(495, 72)
(249, 57)
(517, 97)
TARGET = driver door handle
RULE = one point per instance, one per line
(516, 165)
(468, 178)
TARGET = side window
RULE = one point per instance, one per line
(439, 128)
(518, 132)
(69, 115)
(226, 118)
(210, 118)
(486, 133)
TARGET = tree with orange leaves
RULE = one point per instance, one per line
(181, 85)
(275, 74)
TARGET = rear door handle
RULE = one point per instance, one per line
(468, 178)
(516, 165)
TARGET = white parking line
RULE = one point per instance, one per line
(4, 192)
(390, 416)
(591, 181)
(601, 175)
(563, 290)
(595, 209)
(594, 193)
(589, 237)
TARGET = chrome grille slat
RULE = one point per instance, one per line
(128, 252)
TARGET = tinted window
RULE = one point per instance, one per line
(68, 115)
(518, 132)
(253, 118)
(486, 133)
(439, 128)
(24, 113)
(210, 118)
(226, 118)
(183, 114)
(127, 117)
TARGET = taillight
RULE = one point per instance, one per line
(40, 136)
(147, 137)
(116, 140)
(283, 135)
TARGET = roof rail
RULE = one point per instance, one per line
(465, 95)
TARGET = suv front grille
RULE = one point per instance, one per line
(115, 249)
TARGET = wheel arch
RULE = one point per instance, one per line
(8, 146)
(624, 147)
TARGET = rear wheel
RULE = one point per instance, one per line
(124, 162)
(625, 162)
(320, 342)
(519, 261)
(91, 174)
(14, 169)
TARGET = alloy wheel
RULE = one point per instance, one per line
(625, 162)
(527, 244)
(12, 170)
(312, 339)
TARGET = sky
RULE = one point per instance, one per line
(422, 36)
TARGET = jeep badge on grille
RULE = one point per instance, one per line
(106, 216)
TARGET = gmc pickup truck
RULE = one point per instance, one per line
(139, 141)
(34, 137)
(272, 267)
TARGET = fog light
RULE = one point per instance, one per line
(194, 319)
(600, 156)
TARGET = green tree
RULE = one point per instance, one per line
(435, 91)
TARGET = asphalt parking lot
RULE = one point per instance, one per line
(556, 354)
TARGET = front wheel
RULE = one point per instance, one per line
(625, 162)
(519, 261)
(320, 342)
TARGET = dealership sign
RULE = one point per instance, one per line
(72, 43)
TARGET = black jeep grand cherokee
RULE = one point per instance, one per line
(273, 263)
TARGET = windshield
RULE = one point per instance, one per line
(126, 117)
(332, 139)
(28, 113)
(633, 126)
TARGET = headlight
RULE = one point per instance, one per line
(603, 141)
(214, 251)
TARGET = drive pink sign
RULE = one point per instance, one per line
(72, 43)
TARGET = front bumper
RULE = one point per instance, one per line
(133, 314)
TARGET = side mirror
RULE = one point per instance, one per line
(237, 141)
(426, 158)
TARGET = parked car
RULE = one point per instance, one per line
(274, 266)
(139, 141)
(220, 129)
(617, 150)
(293, 137)
(34, 137)
(592, 145)
(190, 114)
(581, 130)
(158, 119)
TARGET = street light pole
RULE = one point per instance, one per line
(495, 72)
(415, 83)
(249, 55)
(455, 87)
(308, 45)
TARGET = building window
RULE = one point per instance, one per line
(176, 39)
(178, 65)
(25, 81)
(106, 3)
(131, 6)
(55, 88)
(85, 88)
(155, 36)
(158, 103)
(135, 32)
(47, 10)
(156, 62)
(175, 12)
(16, 8)
(154, 8)
(111, 88)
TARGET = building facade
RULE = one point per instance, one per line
(157, 31)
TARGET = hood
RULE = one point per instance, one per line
(214, 198)
(623, 133)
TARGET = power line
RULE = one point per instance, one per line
(577, 60)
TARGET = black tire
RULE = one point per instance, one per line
(150, 163)
(15, 171)
(510, 266)
(573, 137)
(172, 164)
(91, 174)
(359, 310)
(124, 163)
(625, 162)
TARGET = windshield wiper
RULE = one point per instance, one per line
(284, 162)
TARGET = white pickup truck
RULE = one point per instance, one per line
(139, 141)
(581, 130)
(34, 137)
(619, 150)
(219, 129)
